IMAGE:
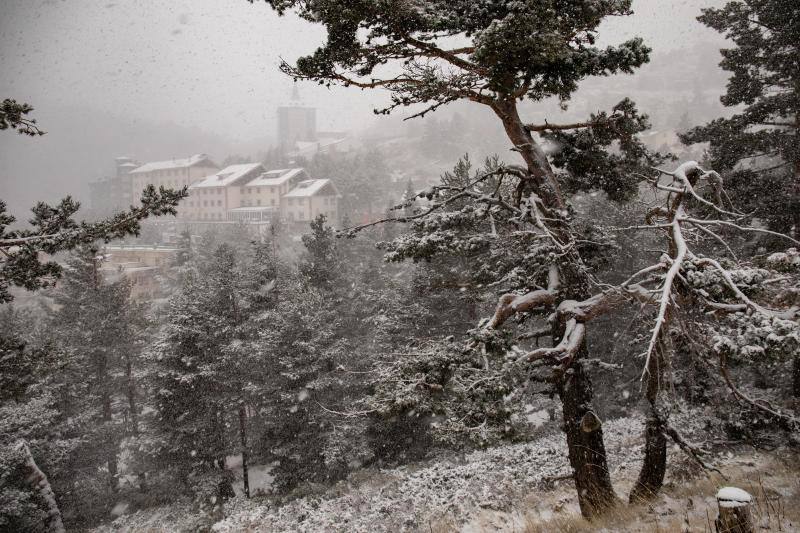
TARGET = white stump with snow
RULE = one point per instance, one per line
(734, 511)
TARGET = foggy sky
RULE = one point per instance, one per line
(206, 67)
(212, 64)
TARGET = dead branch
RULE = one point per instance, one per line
(790, 421)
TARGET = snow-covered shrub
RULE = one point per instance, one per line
(757, 338)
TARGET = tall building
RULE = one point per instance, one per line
(296, 122)
(113, 193)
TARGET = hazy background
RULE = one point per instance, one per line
(161, 79)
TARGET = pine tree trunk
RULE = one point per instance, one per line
(586, 448)
(131, 393)
(111, 451)
(41, 486)
(133, 409)
(796, 361)
(582, 427)
(796, 169)
(243, 437)
(654, 465)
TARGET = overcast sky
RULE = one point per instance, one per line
(212, 64)
(160, 79)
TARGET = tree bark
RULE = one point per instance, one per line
(133, 412)
(535, 159)
(103, 382)
(243, 437)
(38, 482)
(111, 452)
(586, 448)
(796, 361)
(131, 393)
(654, 466)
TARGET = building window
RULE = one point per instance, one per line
(272, 201)
(258, 190)
(290, 201)
(258, 202)
(219, 203)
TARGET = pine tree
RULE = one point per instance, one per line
(321, 262)
(27, 418)
(70, 393)
(186, 376)
(97, 326)
(53, 229)
(209, 370)
(757, 148)
(526, 50)
(514, 51)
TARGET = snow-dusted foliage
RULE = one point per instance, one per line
(53, 229)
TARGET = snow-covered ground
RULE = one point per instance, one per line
(501, 485)
(258, 476)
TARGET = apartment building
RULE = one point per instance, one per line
(267, 189)
(245, 192)
(309, 199)
(250, 193)
(174, 174)
(211, 197)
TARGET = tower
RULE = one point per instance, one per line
(296, 122)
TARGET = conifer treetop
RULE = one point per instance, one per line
(436, 52)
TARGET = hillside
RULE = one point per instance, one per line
(516, 487)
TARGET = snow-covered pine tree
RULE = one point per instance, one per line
(497, 54)
(82, 387)
(505, 52)
(212, 370)
(757, 149)
(95, 319)
(189, 379)
(53, 229)
(27, 420)
(14, 116)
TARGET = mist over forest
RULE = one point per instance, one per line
(399, 265)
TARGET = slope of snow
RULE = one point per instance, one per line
(413, 497)
(410, 500)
